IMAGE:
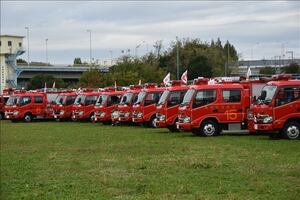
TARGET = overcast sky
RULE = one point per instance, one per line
(268, 28)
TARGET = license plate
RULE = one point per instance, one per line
(7, 117)
(119, 118)
(55, 116)
(73, 117)
(255, 126)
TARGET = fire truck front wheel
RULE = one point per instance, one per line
(209, 128)
(291, 130)
(28, 117)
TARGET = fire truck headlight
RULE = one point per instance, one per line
(62, 112)
(162, 117)
(115, 114)
(139, 115)
(102, 114)
(80, 113)
(267, 120)
(127, 114)
(187, 120)
(16, 112)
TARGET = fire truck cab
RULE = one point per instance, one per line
(83, 107)
(29, 106)
(123, 112)
(144, 108)
(277, 109)
(62, 106)
(207, 109)
(167, 106)
(106, 103)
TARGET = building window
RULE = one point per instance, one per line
(20, 44)
(9, 43)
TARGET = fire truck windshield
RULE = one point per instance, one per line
(187, 97)
(60, 99)
(13, 100)
(101, 99)
(126, 98)
(267, 93)
(79, 100)
(140, 97)
(163, 97)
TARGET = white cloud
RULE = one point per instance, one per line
(123, 25)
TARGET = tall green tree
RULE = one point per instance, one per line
(38, 81)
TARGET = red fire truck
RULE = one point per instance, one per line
(2, 103)
(83, 108)
(4, 97)
(144, 108)
(167, 107)
(29, 105)
(106, 103)
(207, 109)
(277, 110)
(63, 105)
(123, 112)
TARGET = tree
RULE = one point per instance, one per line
(77, 61)
(268, 70)
(38, 81)
(21, 61)
(92, 78)
(293, 68)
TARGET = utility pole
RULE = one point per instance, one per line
(292, 54)
(28, 61)
(46, 40)
(90, 31)
(177, 58)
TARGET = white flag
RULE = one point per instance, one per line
(140, 82)
(184, 77)
(115, 84)
(45, 88)
(167, 79)
(248, 73)
(53, 86)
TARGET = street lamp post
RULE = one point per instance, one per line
(111, 57)
(292, 55)
(46, 40)
(136, 51)
(28, 61)
(90, 31)
(177, 58)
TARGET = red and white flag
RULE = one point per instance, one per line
(53, 86)
(184, 77)
(167, 79)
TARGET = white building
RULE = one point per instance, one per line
(10, 47)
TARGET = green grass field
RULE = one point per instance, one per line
(51, 160)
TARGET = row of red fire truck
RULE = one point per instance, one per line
(204, 108)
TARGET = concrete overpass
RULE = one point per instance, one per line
(67, 73)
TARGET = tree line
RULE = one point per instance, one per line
(201, 59)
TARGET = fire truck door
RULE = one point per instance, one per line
(201, 103)
(231, 106)
(287, 103)
(38, 108)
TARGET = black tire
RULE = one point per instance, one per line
(209, 128)
(27, 117)
(173, 128)
(1, 115)
(91, 118)
(291, 130)
(152, 122)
